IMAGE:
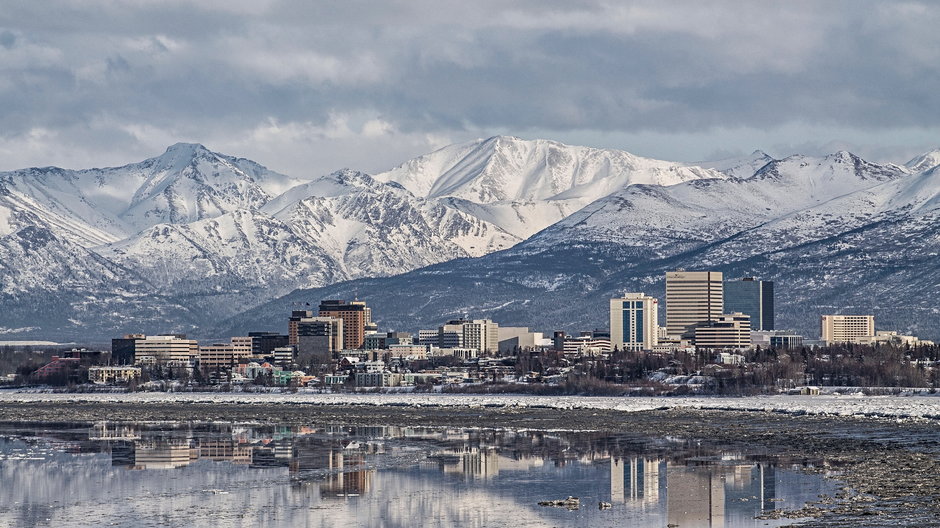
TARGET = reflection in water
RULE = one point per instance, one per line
(235, 475)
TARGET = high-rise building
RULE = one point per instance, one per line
(752, 297)
(726, 331)
(482, 335)
(319, 339)
(692, 298)
(634, 322)
(846, 328)
(356, 317)
(295, 317)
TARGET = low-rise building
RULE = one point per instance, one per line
(892, 338)
(113, 374)
(729, 331)
(382, 378)
(168, 350)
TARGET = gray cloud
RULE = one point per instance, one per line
(313, 86)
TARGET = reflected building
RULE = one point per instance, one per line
(162, 455)
(343, 479)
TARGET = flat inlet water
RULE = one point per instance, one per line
(234, 475)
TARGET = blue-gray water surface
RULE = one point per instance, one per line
(225, 475)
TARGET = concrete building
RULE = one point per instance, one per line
(408, 351)
(378, 379)
(284, 355)
(479, 334)
(382, 341)
(634, 322)
(752, 297)
(776, 339)
(356, 316)
(168, 350)
(293, 321)
(846, 328)
(113, 374)
(893, 338)
(592, 343)
(319, 340)
(728, 331)
(692, 298)
(223, 356)
(511, 337)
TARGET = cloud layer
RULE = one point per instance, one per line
(308, 87)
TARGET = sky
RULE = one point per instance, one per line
(306, 88)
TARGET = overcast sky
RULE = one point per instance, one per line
(309, 87)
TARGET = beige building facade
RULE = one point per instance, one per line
(846, 328)
(692, 298)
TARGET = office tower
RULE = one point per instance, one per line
(355, 315)
(319, 339)
(122, 349)
(752, 297)
(846, 328)
(727, 331)
(634, 322)
(295, 317)
(692, 298)
(264, 343)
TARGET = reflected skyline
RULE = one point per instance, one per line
(238, 475)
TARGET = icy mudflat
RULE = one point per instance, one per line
(915, 407)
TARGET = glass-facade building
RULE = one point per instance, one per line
(752, 297)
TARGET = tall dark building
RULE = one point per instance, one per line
(752, 297)
(264, 343)
(123, 349)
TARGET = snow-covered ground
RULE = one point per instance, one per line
(901, 407)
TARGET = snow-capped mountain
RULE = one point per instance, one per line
(836, 234)
(925, 161)
(190, 237)
(524, 186)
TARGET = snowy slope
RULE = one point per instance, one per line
(185, 184)
(193, 236)
(738, 167)
(836, 233)
(523, 186)
(667, 220)
(925, 161)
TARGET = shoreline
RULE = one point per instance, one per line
(888, 467)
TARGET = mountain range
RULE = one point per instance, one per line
(528, 232)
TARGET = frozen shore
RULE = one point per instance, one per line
(900, 407)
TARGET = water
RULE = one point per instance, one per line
(225, 475)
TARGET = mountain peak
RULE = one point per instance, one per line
(925, 161)
(185, 147)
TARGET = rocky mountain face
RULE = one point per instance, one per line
(528, 232)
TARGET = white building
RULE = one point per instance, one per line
(511, 337)
(846, 328)
(893, 338)
(167, 350)
(634, 322)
